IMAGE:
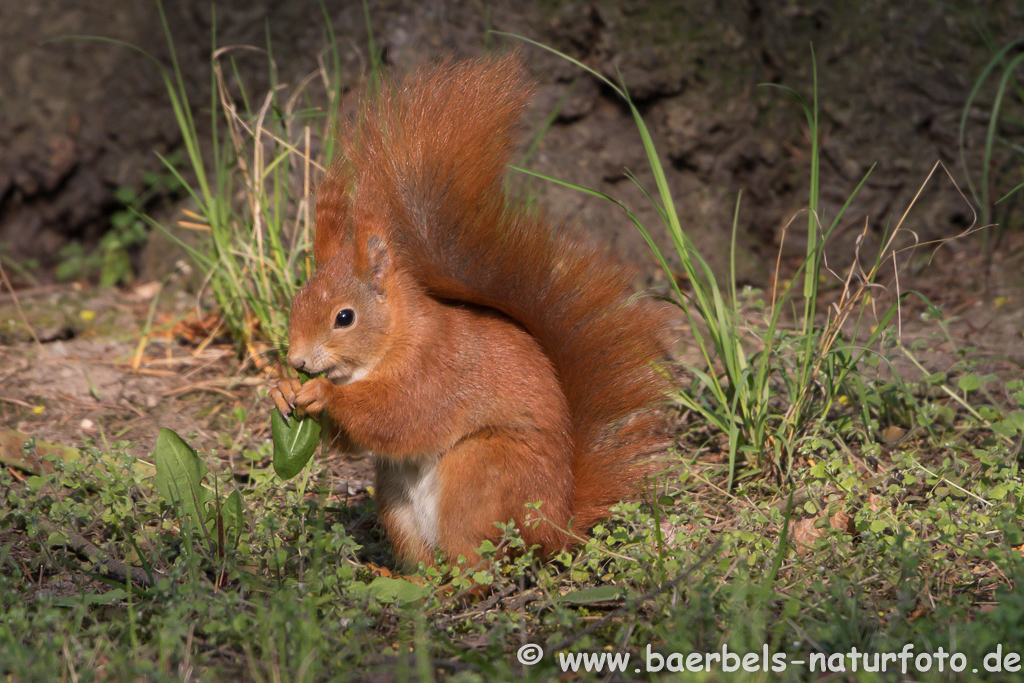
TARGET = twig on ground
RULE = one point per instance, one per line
(115, 569)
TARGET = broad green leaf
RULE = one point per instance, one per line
(179, 475)
(57, 538)
(969, 383)
(294, 443)
(400, 591)
(589, 596)
(233, 512)
(1010, 425)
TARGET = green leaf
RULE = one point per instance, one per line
(233, 512)
(121, 219)
(589, 596)
(1010, 425)
(125, 195)
(390, 590)
(57, 538)
(179, 475)
(969, 383)
(294, 443)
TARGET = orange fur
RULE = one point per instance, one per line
(494, 361)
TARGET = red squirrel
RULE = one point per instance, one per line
(486, 359)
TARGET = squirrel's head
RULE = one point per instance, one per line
(342, 317)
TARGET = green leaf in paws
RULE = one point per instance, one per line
(294, 443)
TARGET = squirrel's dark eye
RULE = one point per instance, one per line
(346, 317)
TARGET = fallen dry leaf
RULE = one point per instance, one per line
(842, 522)
(196, 329)
(805, 533)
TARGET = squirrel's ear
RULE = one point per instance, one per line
(333, 213)
(377, 261)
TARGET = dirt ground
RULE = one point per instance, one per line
(98, 374)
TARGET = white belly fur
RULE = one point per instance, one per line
(413, 488)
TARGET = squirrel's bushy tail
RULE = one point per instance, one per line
(425, 165)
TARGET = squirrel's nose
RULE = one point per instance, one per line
(295, 360)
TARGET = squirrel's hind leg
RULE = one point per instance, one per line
(490, 478)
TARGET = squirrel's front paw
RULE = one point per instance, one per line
(284, 394)
(314, 396)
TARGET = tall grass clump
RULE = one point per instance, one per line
(253, 203)
(250, 181)
(997, 212)
(264, 156)
(772, 395)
